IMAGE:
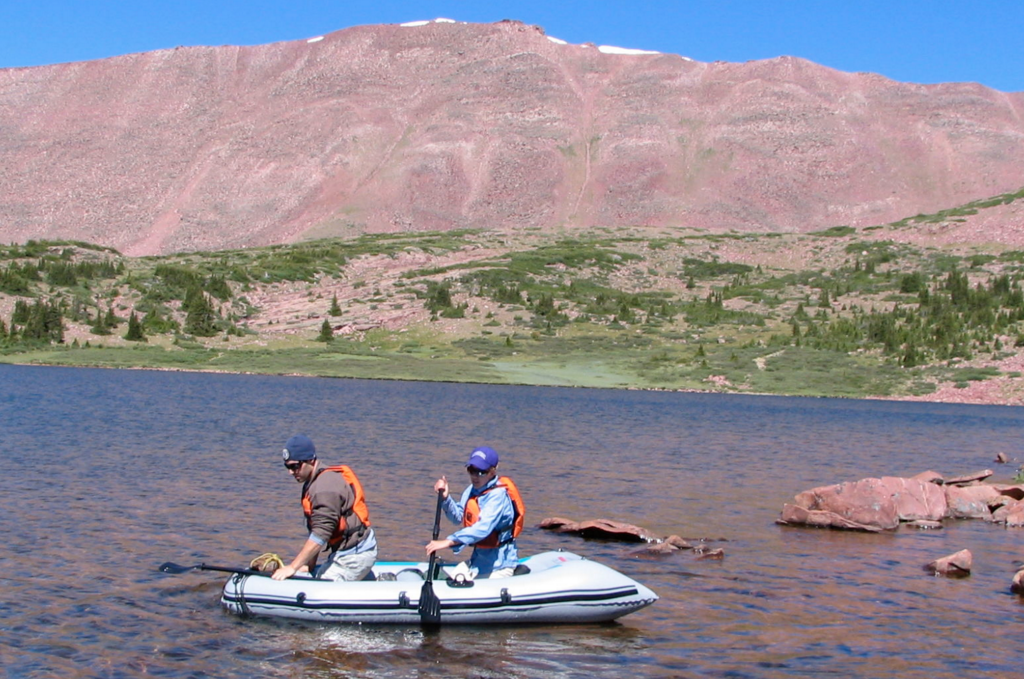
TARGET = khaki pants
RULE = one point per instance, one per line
(348, 566)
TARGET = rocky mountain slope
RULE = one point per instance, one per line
(448, 125)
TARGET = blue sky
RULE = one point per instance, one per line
(922, 41)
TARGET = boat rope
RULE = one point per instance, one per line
(238, 579)
(267, 563)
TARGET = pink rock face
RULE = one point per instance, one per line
(1015, 492)
(868, 502)
(796, 515)
(931, 476)
(970, 502)
(954, 565)
(1013, 515)
(443, 126)
(916, 499)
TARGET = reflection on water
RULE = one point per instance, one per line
(106, 474)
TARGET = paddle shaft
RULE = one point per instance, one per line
(437, 531)
(175, 568)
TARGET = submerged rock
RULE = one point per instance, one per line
(925, 525)
(704, 553)
(604, 529)
(1017, 584)
(956, 565)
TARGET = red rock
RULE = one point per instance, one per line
(1002, 458)
(916, 499)
(969, 502)
(599, 528)
(1015, 492)
(657, 549)
(557, 523)
(1017, 585)
(868, 502)
(969, 478)
(1011, 514)
(930, 476)
(954, 565)
(613, 530)
(795, 515)
(716, 553)
(677, 542)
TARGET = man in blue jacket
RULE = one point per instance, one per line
(491, 513)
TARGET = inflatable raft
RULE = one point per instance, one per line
(560, 587)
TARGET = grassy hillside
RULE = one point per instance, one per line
(842, 312)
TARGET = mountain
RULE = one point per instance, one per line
(448, 125)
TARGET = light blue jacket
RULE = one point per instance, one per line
(496, 513)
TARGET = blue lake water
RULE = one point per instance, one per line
(106, 474)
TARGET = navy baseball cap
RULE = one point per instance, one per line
(299, 448)
(483, 458)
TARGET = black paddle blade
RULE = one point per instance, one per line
(430, 606)
(175, 568)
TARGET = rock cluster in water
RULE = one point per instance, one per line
(922, 501)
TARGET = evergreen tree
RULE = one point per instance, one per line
(200, 319)
(21, 312)
(100, 327)
(134, 333)
(326, 332)
(44, 323)
(335, 309)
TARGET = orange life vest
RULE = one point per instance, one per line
(472, 512)
(359, 507)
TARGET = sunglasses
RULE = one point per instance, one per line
(292, 466)
(473, 471)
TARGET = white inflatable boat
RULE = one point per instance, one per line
(560, 587)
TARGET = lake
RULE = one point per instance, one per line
(105, 474)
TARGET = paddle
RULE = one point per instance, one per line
(430, 605)
(176, 569)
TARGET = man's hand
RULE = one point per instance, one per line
(442, 487)
(438, 545)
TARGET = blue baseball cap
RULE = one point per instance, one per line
(482, 458)
(299, 448)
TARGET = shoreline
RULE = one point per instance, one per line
(976, 393)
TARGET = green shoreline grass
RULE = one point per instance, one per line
(798, 375)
